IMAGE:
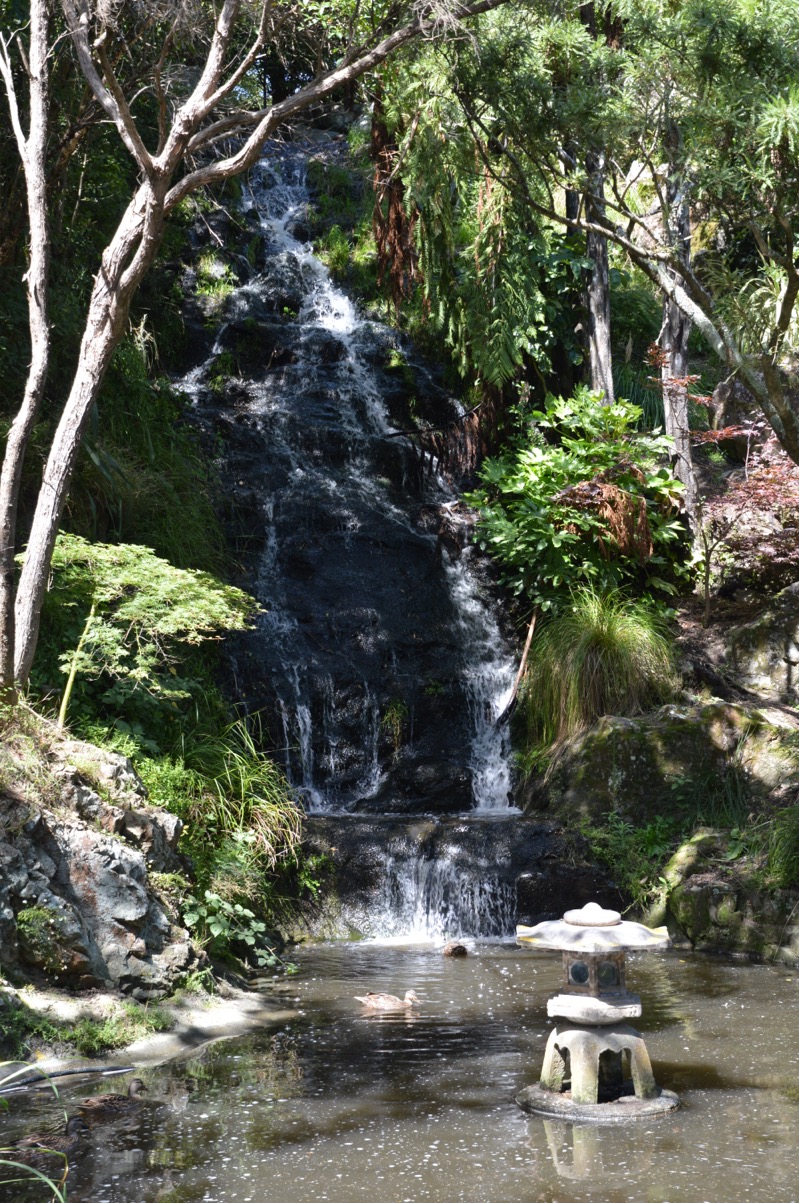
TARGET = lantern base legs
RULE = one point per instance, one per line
(597, 1073)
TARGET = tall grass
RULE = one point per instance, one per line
(783, 853)
(634, 385)
(245, 792)
(605, 654)
(236, 802)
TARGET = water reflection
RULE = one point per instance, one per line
(593, 1154)
(339, 1106)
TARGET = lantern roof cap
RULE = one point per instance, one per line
(592, 929)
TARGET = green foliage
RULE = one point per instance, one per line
(637, 313)
(709, 798)
(334, 249)
(244, 794)
(40, 939)
(24, 1028)
(25, 740)
(634, 855)
(393, 722)
(142, 475)
(633, 385)
(214, 276)
(336, 193)
(547, 536)
(242, 832)
(222, 925)
(129, 612)
(783, 851)
(603, 654)
(224, 366)
(637, 854)
(93, 1036)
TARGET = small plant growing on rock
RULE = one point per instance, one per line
(214, 277)
(40, 939)
(393, 722)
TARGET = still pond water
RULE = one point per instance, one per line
(335, 1105)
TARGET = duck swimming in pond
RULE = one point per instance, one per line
(39, 1148)
(109, 1105)
(380, 1001)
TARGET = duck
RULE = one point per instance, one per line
(380, 1001)
(113, 1104)
(41, 1146)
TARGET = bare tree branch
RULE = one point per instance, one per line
(77, 18)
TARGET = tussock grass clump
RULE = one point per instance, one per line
(248, 793)
(605, 654)
(783, 853)
(26, 775)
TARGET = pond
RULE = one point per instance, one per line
(338, 1105)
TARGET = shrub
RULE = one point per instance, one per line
(605, 654)
(131, 615)
(579, 497)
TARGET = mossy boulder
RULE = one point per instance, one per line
(678, 755)
(725, 907)
(764, 653)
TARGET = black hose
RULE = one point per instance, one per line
(21, 1083)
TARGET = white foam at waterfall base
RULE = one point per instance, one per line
(427, 900)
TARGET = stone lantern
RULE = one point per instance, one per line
(596, 1065)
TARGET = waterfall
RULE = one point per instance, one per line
(376, 658)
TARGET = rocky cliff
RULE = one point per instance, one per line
(81, 851)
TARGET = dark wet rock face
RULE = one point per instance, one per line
(375, 663)
(444, 877)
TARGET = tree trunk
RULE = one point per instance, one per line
(33, 154)
(126, 260)
(598, 291)
(674, 342)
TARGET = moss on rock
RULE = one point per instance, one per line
(677, 756)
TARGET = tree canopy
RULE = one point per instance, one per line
(512, 139)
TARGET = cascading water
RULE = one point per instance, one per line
(376, 660)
